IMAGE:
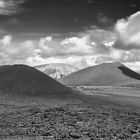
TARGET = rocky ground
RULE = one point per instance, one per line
(72, 122)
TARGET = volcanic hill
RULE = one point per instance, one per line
(24, 82)
(106, 74)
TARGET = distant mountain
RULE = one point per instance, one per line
(57, 70)
(102, 75)
(24, 82)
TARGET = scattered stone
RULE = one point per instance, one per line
(75, 135)
(68, 124)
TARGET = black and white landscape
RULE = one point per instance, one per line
(57, 70)
(69, 70)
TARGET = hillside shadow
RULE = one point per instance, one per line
(129, 73)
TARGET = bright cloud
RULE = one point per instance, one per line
(6, 40)
(82, 51)
(128, 32)
(85, 49)
(77, 45)
(74, 50)
(135, 65)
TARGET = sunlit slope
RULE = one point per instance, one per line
(102, 75)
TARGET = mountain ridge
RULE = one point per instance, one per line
(57, 70)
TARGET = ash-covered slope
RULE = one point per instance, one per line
(102, 75)
(25, 81)
(57, 70)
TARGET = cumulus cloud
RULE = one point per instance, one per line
(78, 50)
(69, 46)
(125, 47)
(93, 42)
(73, 49)
(102, 39)
(91, 47)
(128, 31)
(15, 52)
(76, 45)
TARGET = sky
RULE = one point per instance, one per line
(78, 32)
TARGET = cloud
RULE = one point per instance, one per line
(80, 48)
(103, 19)
(91, 42)
(13, 51)
(76, 45)
(68, 46)
(102, 39)
(10, 7)
(6, 40)
(121, 55)
(128, 31)
(90, 47)
(134, 66)
(125, 44)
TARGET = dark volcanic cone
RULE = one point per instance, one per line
(27, 82)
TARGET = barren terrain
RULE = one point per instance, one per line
(107, 113)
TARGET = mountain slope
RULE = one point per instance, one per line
(24, 82)
(57, 70)
(102, 75)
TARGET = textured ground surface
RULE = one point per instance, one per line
(109, 113)
(72, 122)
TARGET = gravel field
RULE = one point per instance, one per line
(71, 122)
